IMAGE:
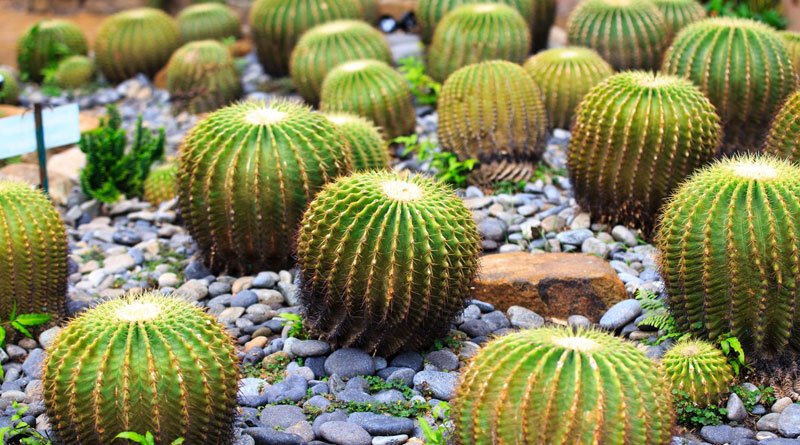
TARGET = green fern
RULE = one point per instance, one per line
(658, 316)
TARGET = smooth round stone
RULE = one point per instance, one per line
(281, 416)
(266, 280)
(408, 359)
(621, 314)
(382, 425)
(442, 385)
(443, 359)
(349, 362)
(345, 433)
(244, 299)
(310, 348)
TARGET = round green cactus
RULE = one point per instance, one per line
(785, 131)
(430, 12)
(629, 34)
(791, 40)
(371, 89)
(33, 253)
(565, 75)
(135, 41)
(208, 21)
(493, 112)
(161, 183)
(201, 77)
(369, 10)
(327, 46)
(387, 260)
(142, 363)
(699, 369)
(743, 67)
(9, 93)
(277, 26)
(74, 72)
(556, 385)
(267, 163)
(680, 13)
(45, 43)
(730, 251)
(369, 150)
(478, 32)
(637, 136)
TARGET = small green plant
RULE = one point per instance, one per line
(452, 341)
(694, 415)
(436, 435)
(20, 323)
(509, 187)
(658, 317)
(763, 395)
(446, 164)
(19, 432)
(146, 439)
(732, 348)
(424, 88)
(295, 323)
(731, 8)
(377, 384)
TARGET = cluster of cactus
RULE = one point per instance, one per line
(785, 131)
(208, 21)
(743, 67)
(371, 89)
(33, 253)
(493, 112)
(277, 26)
(637, 136)
(46, 43)
(791, 40)
(161, 183)
(699, 369)
(565, 75)
(326, 46)
(74, 72)
(629, 34)
(680, 13)
(478, 32)
(369, 150)
(556, 385)
(143, 362)
(135, 41)
(201, 76)
(387, 260)
(9, 93)
(730, 251)
(430, 12)
(267, 163)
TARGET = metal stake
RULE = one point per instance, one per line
(40, 148)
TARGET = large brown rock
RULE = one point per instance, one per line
(554, 285)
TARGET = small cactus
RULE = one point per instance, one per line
(478, 32)
(201, 77)
(142, 363)
(555, 385)
(637, 136)
(74, 72)
(267, 163)
(629, 34)
(565, 75)
(791, 40)
(371, 89)
(369, 150)
(135, 41)
(784, 133)
(698, 369)
(730, 253)
(386, 260)
(743, 67)
(161, 184)
(326, 46)
(33, 253)
(493, 112)
(277, 26)
(679, 13)
(208, 21)
(9, 93)
(45, 43)
(430, 12)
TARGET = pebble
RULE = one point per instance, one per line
(266, 280)
(781, 404)
(349, 362)
(574, 237)
(244, 299)
(310, 348)
(168, 279)
(579, 321)
(789, 421)
(444, 360)
(48, 337)
(344, 433)
(624, 235)
(382, 425)
(390, 440)
(267, 436)
(735, 407)
(442, 385)
(281, 416)
(524, 318)
(724, 434)
(621, 314)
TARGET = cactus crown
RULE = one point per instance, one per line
(699, 369)
(74, 72)
(208, 21)
(430, 12)
(366, 143)
(201, 76)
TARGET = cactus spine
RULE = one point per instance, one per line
(45, 43)
(201, 76)
(208, 21)
(33, 253)
(371, 89)
(74, 72)
(278, 24)
(161, 183)
(254, 165)
(785, 131)
(565, 75)
(493, 112)
(743, 67)
(730, 252)
(387, 260)
(430, 12)
(142, 363)
(637, 136)
(679, 13)
(478, 32)
(791, 40)
(629, 34)
(9, 93)
(698, 369)
(555, 385)
(367, 146)
(135, 41)
(326, 46)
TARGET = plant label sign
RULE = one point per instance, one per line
(61, 127)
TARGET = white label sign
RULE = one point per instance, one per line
(18, 133)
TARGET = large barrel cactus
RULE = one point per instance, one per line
(371, 89)
(558, 386)
(386, 260)
(278, 24)
(45, 43)
(679, 13)
(9, 93)
(201, 77)
(629, 34)
(326, 46)
(246, 174)
(730, 251)
(493, 112)
(478, 32)
(74, 72)
(161, 183)
(637, 136)
(784, 133)
(743, 67)
(33, 253)
(142, 363)
(208, 21)
(430, 12)
(565, 75)
(135, 41)
(791, 40)
(698, 369)
(369, 150)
